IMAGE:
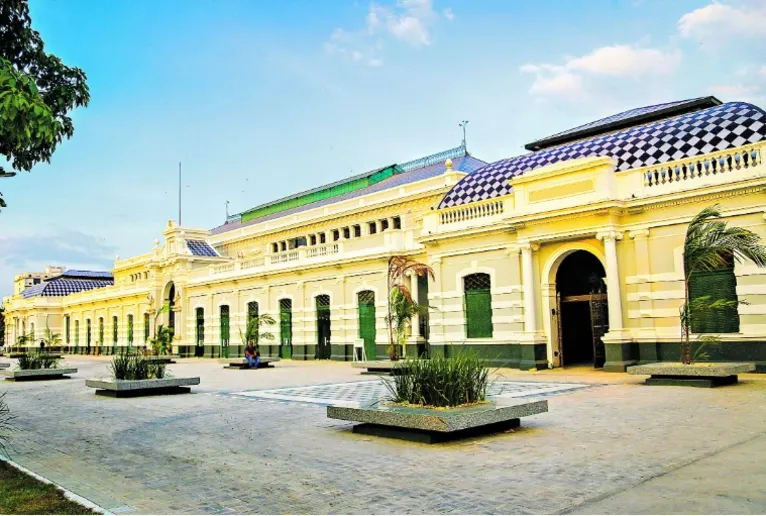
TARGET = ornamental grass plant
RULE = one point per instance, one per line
(440, 382)
(132, 366)
(36, 360)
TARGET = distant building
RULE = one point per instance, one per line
(571, 253)
(28, 279)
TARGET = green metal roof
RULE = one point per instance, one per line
(341, 187)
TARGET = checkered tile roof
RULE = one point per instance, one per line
(63, 286)
(708, 130)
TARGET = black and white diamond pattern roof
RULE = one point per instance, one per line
(200, 248)
(63, 286)
(714, 129)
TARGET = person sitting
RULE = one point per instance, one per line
(252, 355)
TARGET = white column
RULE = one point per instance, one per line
(612, 279)
(528, 280)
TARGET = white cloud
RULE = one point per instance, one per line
(616, 61)
(718, 22)
(626, 61)
(448, 14)
(408, 21)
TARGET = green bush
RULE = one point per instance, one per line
(35, 360)
(132, 366)
(440, 382)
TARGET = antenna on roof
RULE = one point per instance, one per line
(179, 193)
(463, 124)
(227, 210)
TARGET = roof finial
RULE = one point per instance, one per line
(448, 164)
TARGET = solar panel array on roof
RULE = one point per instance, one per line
(63, 286)
(200, 248)
(714, 129)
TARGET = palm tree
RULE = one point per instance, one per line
(253, 331)
(399, 267)
(51, 339)
(709, 245)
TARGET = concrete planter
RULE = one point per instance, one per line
(379, 366)
(241, 363)
(437, 425)
(19, 375)
(4, 365)
(50, 355)
(134, 388)
(162, 359)
(709, 374)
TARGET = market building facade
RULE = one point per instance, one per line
(569, 254)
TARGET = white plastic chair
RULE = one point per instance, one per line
(359, 346)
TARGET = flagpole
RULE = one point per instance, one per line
(179, 193)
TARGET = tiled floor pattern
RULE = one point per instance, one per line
(355, 394)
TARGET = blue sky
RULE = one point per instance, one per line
(261, 99)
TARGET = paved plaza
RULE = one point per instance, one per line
(260, 442)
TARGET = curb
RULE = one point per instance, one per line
(67, 493)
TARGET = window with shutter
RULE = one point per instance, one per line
(200, 316)
(717, 284)
(224, 325)
(478, 306)
(367, 322)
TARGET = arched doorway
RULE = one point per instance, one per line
(582, 307)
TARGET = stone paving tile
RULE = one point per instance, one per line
(204, 453)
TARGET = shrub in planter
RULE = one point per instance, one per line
(132, 366)
(440, 381)
(35, 360)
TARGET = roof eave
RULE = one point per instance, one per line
(696, 105)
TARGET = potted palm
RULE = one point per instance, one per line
(253, 331)
(401, 306)
(710, 244)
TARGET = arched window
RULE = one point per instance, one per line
(100, 330)
(252, 310)
(130, 329)
(87, 333)
(324, 328)
(224, 325)
(366, 304)
(147, 327)
(200, 314)
(286, 326)
(717, 284)
(477, 306)
(114, 329)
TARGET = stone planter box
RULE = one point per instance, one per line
(20, 375)
(16, 354)
(708, 374)
(377, 366)
(4, 365)
(134, 388)
(162, 359)
(437, 425)
(241, 363)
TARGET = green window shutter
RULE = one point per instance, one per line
(478, 306)
(200, 313)
(130, 329)
(67, 321)
(717, 284)
(77, 333)
(225, 325)
(100, 330)
(147, 327)
(115, 329)
(87, 332)
(252, 310)
(367, 330)
(286, 321)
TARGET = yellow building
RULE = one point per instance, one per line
(569, 254)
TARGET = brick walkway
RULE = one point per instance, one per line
(614, 447)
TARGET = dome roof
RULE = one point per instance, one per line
(708, 130)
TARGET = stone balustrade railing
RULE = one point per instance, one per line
(322, 250)
(253, 263)
(471, 211)
(699, 168)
